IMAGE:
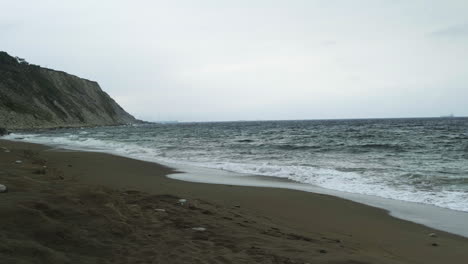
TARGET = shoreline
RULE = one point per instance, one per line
(439, 218)
(442, 219)
(365, 233)
(364, 194)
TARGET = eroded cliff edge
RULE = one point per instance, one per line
(35, 97)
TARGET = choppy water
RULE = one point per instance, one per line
(416, 160)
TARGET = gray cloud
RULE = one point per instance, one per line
(329, 43)
(460, 30)
(9, 25)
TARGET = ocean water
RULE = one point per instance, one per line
(414, 160)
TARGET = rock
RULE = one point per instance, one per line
(160, 210)
(134, 207)
(182, 201)
(323, 251)
(201, 229)
(3, 188)
(18, 162)
(434, 244)
(41, 171)
(432, 235)
(3, 131)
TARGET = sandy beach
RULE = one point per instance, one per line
(81, 207)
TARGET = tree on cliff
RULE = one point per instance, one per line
(21, 60)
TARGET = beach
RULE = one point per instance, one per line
(66, 206)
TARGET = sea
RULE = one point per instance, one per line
(416, 160)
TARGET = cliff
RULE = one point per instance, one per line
(36, 97)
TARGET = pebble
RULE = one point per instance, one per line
(5, 149)
(160, 210)
(3, 188)
(199, 229)
(434, 244)
(432, 235)
(18, 162)
(182, 201)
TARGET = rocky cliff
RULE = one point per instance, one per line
(36, 97)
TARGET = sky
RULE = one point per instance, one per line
(214, 60)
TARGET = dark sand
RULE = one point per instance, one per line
(98, 208)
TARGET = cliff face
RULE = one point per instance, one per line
(36, 97)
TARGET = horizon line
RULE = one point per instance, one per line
(313, 119)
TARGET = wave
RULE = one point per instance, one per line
(245, 140)
(296, 147)
(351, 182)
(376, 147)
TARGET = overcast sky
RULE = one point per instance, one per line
(207, 60)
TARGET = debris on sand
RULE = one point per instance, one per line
(3, 188)
(5, 150)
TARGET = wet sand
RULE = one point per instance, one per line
(97, 208)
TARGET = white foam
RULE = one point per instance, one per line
(349, 182)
